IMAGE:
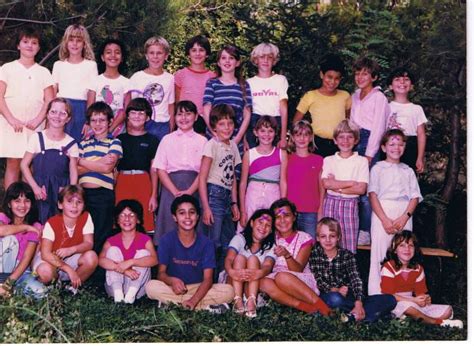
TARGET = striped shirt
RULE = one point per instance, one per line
(217, 93)
(93, 149)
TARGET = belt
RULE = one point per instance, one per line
(133, 171)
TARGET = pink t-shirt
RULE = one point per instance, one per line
(24, 237)
(139, 243)
(192, 84)
(303, 181)
(180, 151)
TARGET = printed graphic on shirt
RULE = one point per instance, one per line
(228, 171)
(154, 93)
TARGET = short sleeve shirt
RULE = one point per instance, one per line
(34, 146)
(110, 91)
(224, 159)
(138, 151)
(73, 79)
(267, 94)
(354, 168)
(186, 263)
(406, 117)
(48, 232)
(23, 237)
(238, 244)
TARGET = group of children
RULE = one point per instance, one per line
(117, 153)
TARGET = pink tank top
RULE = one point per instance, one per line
(139, 243)
(265, 168)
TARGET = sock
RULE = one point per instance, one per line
(131, 294)
(320, 306)
(118, 295)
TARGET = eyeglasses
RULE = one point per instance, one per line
(60, 113)
(124, 216)
(98, 121)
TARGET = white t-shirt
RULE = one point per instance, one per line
(354, 168)
(34, 144)
(224, 159)
(73, 79)
(267, 94)
(110, 91)
(238, 244)
(406, 117)
(158, 90)
(48, 232)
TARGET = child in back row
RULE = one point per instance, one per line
(394, 194)
(231, 89)
(304, 177)
(111, 86)
(190, 81)
(72, 74)
(409, 118)
(98, 157)
(53, 155)
(404, 277)
(264, 168)
(217, 181)
(25, 91)
(19, 238)
(178, 174)
(369, 111)
(345, 177)
(157, 86)
(269, 92)
(136, 178)
(327, 105)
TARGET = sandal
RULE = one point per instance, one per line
(237, 310)
(251, 313)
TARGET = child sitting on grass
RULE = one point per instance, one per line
(404, 277)
(335, 271)
(187, 261)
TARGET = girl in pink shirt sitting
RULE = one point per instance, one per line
(129, 255)
(19, 237)
(304, 177)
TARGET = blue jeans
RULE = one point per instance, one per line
(223, 228)
(375, 306)
(307, 222)
(75, 125)
(157, 129)
(365, 210)
(29, 285)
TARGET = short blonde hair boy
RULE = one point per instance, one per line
(265, 48)
(347, 126)
(332, 224)
(159, 41)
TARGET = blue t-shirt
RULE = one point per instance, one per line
(217, 93)
(187, 264)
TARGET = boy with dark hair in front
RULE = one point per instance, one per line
(186, 264)
(98, 157)
(335, 271)
(327, 105)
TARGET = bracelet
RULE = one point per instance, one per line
(288, 257)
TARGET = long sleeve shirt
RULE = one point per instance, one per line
(340, 271)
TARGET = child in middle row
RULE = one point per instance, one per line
(345, 177)
(264, 168)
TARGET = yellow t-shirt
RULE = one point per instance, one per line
(326, 111)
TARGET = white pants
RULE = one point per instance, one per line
(114, 280)
(381, 240)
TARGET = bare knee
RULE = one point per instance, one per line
(46, 273)
(240, 262)
(253, 262)
(89, 259)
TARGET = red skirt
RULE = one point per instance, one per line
(136, 186)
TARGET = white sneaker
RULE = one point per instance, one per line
(453, 324)
(217, 308)
(71, 289)
(364, 238)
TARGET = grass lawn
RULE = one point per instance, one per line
(92, 317)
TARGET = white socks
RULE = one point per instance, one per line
(130, 296)
(118, 295)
